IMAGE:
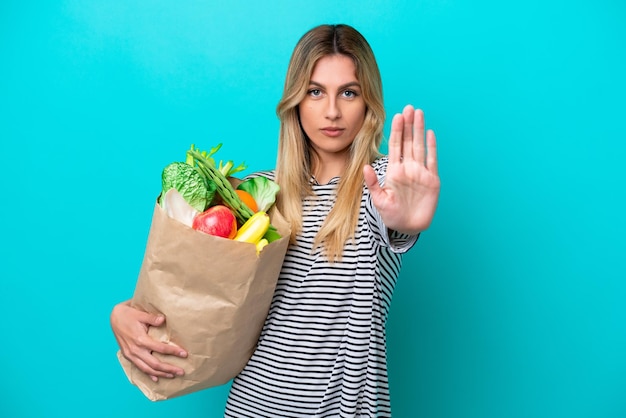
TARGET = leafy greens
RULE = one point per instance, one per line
(262, 189)
(191, 185)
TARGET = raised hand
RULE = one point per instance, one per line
(408, 199)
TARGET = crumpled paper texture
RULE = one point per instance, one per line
(215, 294)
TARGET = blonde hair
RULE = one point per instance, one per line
(294, 150)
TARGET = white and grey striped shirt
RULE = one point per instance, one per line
(322, 351)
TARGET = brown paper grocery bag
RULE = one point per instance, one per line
(214, 293)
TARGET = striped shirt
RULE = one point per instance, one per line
(322, 350)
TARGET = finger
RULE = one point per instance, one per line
(155, 320)
(371, 179)
(143, 359)
(152, 369)
(418, 143)
(395, 139)
(407, 132)
(431, 152)
(153, 364)
(377, 193)
(168, 349)
(162, 369)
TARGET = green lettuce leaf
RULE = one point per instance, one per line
(262, 189)
(192, 186)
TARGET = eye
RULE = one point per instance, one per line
(349, 94)
(314, 92)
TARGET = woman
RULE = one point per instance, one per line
(353, 213)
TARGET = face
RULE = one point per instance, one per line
(333, 110)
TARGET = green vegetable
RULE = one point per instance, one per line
(226, 168)
(206, 166)
(263, 190)
(272, 234)
(188, 181)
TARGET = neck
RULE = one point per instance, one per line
(324, 169)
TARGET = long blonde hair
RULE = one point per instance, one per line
(294, 150)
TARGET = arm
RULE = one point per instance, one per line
(130, 327)
(408, 199)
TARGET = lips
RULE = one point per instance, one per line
(331, 131)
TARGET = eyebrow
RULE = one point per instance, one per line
(341, 87)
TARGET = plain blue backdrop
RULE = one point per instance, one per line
(511, 305)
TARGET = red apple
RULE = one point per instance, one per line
(217, 220)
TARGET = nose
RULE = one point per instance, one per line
(333, 112)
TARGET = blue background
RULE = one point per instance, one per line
(512, 305)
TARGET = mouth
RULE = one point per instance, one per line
(331, 131)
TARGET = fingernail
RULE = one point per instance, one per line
(170, 376)
(154, 378)
(180, 373)
(182, 354)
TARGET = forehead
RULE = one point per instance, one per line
(334, 70)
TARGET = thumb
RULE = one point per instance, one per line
(371, 180)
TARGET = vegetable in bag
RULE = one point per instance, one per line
(262, 190)
(191, 185)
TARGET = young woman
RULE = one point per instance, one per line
(353, 212)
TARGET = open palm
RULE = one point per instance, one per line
(408, 199)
